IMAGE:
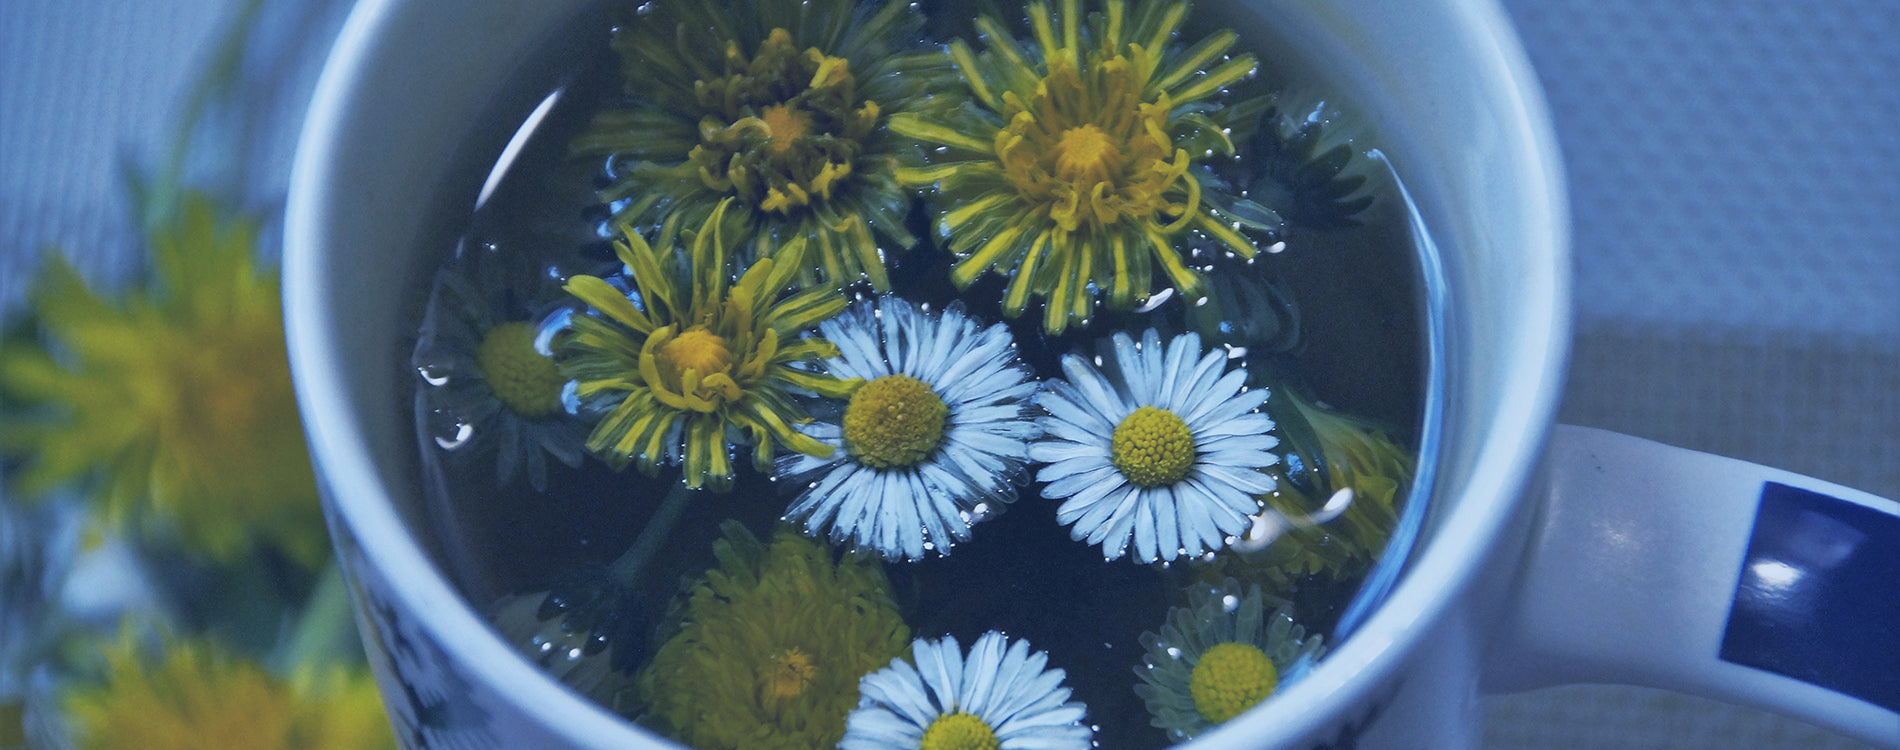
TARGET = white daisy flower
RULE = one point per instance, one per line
(1219, 656)
(1000, 698)
(1164, 451)
(934, 441)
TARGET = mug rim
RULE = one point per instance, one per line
(1441, 574)
(345, 470)
(1438, 577)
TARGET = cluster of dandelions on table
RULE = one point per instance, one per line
(762, 165)
(167, 409)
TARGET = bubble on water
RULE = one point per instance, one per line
(449, 430)
(433, 375)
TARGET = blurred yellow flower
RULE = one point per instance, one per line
(178, 395)
(200, 696)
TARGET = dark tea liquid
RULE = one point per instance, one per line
(1356, 340)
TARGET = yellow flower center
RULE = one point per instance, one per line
(959, 731)
(1086, 146)
(522, 379)
(894, 421)
(696, 350)
(787, 126)
(1152, 448)
(1086, 154)
(792, 672)
(1231, 678)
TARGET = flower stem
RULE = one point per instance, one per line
(325, 631)
(626, 569)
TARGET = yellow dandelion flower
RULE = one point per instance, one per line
(779, 106)
(771, 645)
(198, 695)
(688, 360)
(178, 396)
(1079, 163)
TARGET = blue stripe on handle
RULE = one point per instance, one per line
(1819, 597)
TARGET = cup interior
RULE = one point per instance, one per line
(401, 136)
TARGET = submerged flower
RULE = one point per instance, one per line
(1303, 163)
(770, 645)
(1329, 453)
(998, 698)
(1219, 656)
(932, 442)
(1164, 451)
(197, 695)
(779, 106)
(178, 396)
(588, 630)
(1078, 164)
(485, 367)
(689, 361)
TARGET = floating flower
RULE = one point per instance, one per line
(1219, 656)
(932, 442)
(179, 396)
(688, 361)
(1169, 453)
(1078, 164)
(779, 106)
(198, 695)
(770, 645)
(484, 362)
(999, 698)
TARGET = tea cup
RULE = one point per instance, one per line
(1548, 554)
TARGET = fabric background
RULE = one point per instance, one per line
(1734, 168)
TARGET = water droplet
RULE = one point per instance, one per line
(571, 397)
(1229, 603)
(1154, 302)
(450, 431)
(433, 375)
(549, 327)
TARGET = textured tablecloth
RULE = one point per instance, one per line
(1734, 167)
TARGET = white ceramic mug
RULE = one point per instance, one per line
(1550, 554)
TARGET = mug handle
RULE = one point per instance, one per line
(1654, 565)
